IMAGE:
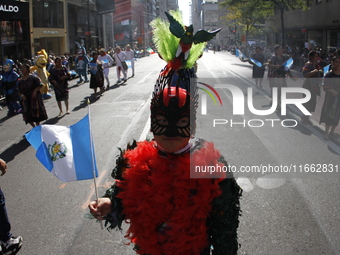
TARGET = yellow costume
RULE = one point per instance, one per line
(42, 73)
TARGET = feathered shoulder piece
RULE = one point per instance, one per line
(176, 43)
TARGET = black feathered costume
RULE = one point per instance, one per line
(170, 213)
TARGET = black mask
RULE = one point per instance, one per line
(173, 103)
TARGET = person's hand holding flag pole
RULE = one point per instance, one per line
(94, 163)
(66, 152)
(287, 65)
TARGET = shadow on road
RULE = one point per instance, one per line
(9, 154)
(7, 118)
(53, 121)
(244, 65)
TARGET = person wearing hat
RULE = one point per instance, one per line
(170, 208)
(107, 62)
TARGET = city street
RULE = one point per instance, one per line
(291, 210)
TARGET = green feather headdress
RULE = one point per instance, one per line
(167, 43)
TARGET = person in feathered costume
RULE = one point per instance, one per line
(40, 70)
(8, 81)
(168, 210)
(81, 63)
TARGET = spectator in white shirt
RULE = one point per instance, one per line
(119, 57)
(107, 62)
(130, 55)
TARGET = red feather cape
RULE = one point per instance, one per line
(167, 210)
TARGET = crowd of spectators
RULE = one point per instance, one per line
(299, 54)
(68, 60)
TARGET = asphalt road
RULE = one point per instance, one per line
(283, 213)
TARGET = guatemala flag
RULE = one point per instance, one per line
(67, 152)
(254, 61)
(128, 62)
(288, 64)
(326, 68)
(240, 54)
(93, 68)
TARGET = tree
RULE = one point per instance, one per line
(246, 13)
(287, 5)
(270, 6)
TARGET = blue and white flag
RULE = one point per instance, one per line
(128, 62)
(288, 64)
(326, 68)
(254, 61)
(241, 55)
(67, 152)
(72, 72)
(93, 68)
(105, 63)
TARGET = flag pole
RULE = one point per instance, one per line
(93, 167)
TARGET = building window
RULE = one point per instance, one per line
(328, 0)
(318, 1)
(14, 31)
(48, 13)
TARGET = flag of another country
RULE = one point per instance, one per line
(150, 50)
(67, 152)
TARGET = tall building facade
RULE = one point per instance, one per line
(161, 7)
(56, 25)
(319, 25)
(211, 20)
(84, 23)
(207, 15)
(132, 22)
(196, 14)
(172, 4)
(165, 5)
(48, 26)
